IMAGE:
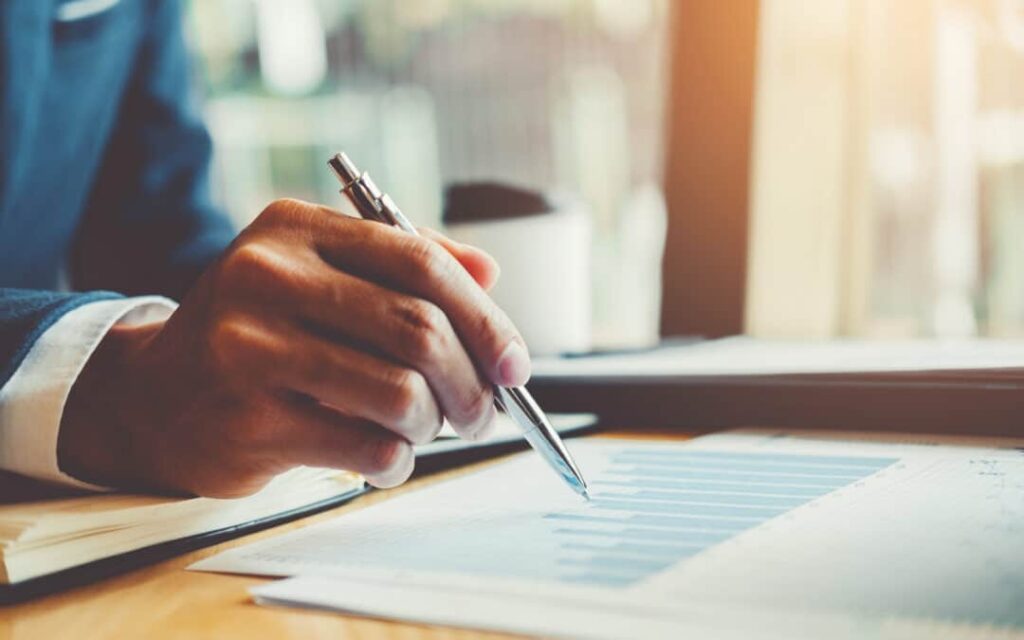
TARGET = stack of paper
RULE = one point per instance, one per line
(744, 535)
(743, 357)
(925, 386)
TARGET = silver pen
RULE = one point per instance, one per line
(374, 204)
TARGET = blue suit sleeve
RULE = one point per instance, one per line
(150, 226)
(25, 315)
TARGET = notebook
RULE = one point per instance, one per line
(53, 538)
(49, 537)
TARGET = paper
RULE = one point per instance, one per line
(731, 533)
(748, 357)
(42, 537)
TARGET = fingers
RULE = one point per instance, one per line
(480, 265)
(424, 269)
(357, 383)
(322, 437)
(410, 299)
(413, 332)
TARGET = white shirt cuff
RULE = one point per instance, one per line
(32, 401)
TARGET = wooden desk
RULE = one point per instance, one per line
(165, 601)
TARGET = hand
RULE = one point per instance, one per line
(317, 339)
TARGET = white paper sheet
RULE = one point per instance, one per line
(745, 535)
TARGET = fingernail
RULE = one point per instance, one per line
(514, 365)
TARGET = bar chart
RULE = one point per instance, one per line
(804, 537)
(652, 508)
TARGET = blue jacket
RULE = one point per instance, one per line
(103, 163)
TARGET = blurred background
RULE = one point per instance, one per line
(563, 95)
(835, 168)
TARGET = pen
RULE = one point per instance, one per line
(374, 204)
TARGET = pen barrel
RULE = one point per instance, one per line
(549, 450)
(542, 437)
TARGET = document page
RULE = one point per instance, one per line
(733, 533)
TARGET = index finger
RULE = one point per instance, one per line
(421, 267)
(478, 263)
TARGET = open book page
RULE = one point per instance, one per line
(45, 536)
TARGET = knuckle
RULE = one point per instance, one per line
(407, 394)
(251, 264)
(235, 346)
(422, 330)
(282, 211)
(410, 409)
(225, 342)
(427, 260)
(259, 269)
(494, 328)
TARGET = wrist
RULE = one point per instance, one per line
(95, 443)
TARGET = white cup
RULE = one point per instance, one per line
(545, 271)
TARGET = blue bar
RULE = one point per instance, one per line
(617, 564)
(596, 533)
(599, 579)
(782, 458)
(578, 517)
(690, 523)
(695, 539)
(749, 513)
(716, 465)
(733, 499)
(723, 487)
(685, 539)
(680, 523)
(671, 552)
(739, 476)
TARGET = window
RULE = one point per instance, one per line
(888, 188)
